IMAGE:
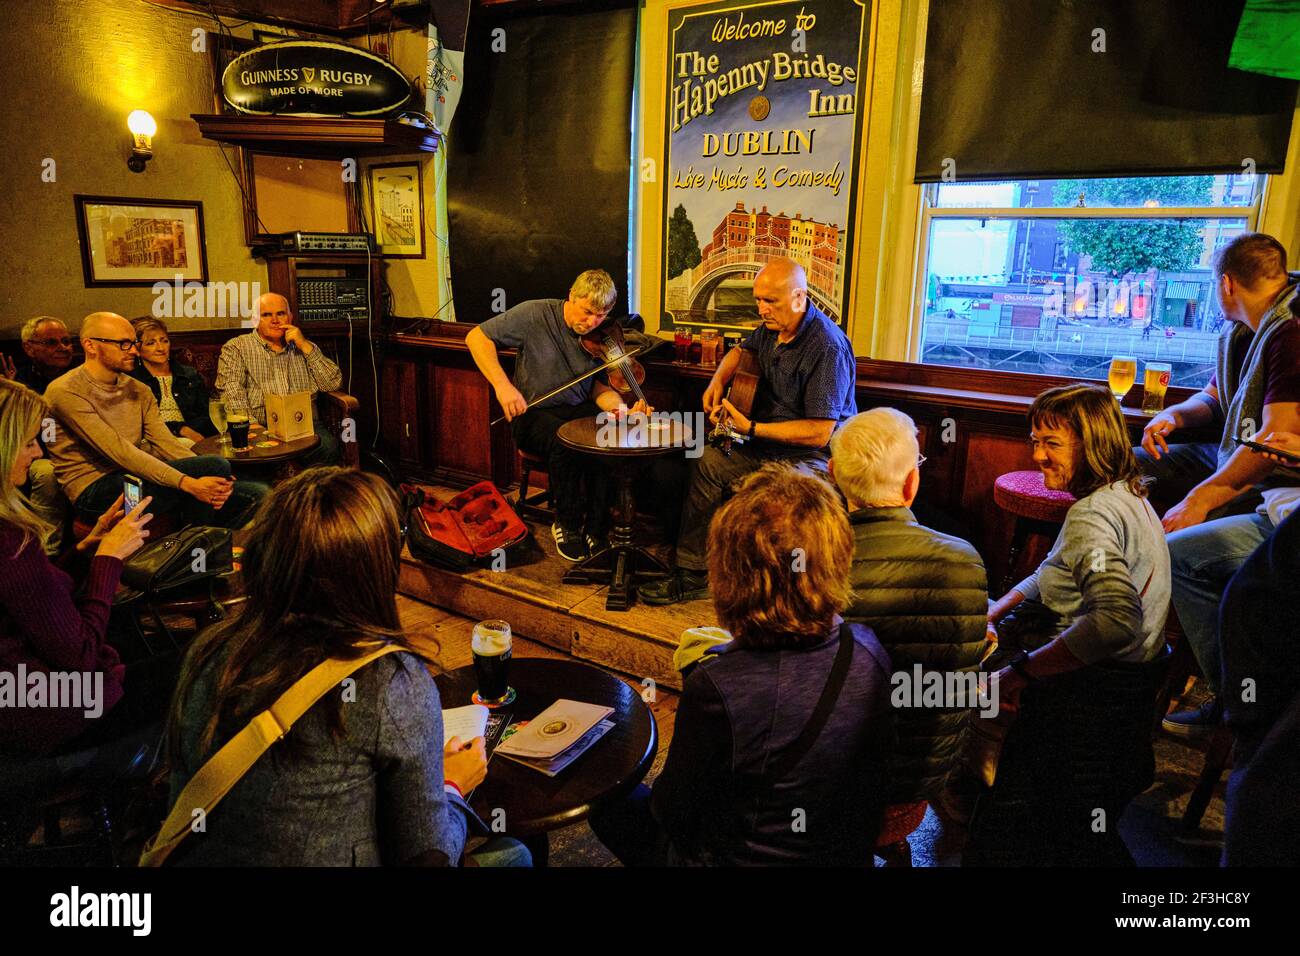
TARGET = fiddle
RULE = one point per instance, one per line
(606, 344)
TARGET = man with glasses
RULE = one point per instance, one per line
(108, 424)
(48, 345)
(806, 390)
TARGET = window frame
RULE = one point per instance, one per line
(930, 210)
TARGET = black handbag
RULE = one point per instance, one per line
(191, 554)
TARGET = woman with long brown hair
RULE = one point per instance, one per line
(362, 778)
(1087, 636)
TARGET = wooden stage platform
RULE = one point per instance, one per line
(530, 594)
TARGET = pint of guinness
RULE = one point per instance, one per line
(491, 646)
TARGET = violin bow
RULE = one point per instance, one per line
(574, 381)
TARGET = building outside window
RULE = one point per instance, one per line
(1058, 276)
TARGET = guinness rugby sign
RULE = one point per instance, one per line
(313, 78)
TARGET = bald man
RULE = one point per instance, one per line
(277, 359)
(109, 426)
(807, 375)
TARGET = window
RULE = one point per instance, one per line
(1058, 276)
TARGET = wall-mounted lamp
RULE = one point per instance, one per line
(142, 127)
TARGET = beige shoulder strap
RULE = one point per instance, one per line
(225, 768)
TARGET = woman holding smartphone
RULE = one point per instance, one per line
(43, 626)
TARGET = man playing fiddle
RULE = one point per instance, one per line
(547, 336)
(806, 389)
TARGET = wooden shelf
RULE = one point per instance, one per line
(317, 136)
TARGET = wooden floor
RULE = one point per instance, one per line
(529, 593)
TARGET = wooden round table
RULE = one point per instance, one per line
(534, 803)
(622, 564)
(281, 455)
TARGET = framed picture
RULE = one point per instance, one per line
(140, 241)
(397, 210)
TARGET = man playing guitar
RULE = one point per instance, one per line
(805, 390)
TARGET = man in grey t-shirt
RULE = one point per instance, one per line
(546, 336)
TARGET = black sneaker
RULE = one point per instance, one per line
(1195, 722)
(597, 542)
(681, 585)
(571, 544)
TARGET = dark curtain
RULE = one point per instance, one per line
(539, 156)
(1014, 90)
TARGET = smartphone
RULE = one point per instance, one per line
(132, 492)
(1256, 446)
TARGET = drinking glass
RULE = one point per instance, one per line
(1153, 387)
(1123, 372)
(217, 412)
(682, 346)
(491, 645)
(710, 345)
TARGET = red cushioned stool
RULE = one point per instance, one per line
(1038, 510)
(897, 822)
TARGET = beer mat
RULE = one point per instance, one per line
(552, 766)
(555, 729)
(496, 727)
(269, 443)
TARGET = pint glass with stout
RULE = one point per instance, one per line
(491, 646)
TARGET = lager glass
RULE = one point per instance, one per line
(217, 412)
(1153, 387)
(1123, 372)
(491, 646)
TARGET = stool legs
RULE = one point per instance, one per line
(1216, 760)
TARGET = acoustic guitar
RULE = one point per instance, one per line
(741, 393)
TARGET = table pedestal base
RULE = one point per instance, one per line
(622, 565)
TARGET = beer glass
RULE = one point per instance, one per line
(237, 423)
(491, 646)
(710, 341)
(1153, 387)
(1123, 372)
(217, 412)
(682, 346)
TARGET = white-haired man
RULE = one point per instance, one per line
(48, 346)
(925, 594)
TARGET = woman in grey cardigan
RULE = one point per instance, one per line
(362, 778)
(1080, 747)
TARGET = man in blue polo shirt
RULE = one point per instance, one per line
(805, 392)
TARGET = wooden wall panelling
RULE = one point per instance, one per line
(461, 401)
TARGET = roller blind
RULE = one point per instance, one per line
(539, 156)
(1022, 89)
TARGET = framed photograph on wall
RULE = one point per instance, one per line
(397, 210)
(140, 241)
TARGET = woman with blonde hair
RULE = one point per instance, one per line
(362, 778)
(44, 628)
(1083, 643)
(779, 749)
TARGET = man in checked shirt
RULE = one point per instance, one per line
(277, 358)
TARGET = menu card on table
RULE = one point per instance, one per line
(557, 736)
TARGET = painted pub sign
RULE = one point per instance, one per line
(765, 113)
(313, 78)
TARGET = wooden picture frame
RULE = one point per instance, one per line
(396, 193)
(137, 242)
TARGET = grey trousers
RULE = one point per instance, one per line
(712, 476)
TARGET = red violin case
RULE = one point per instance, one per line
(464, 531)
